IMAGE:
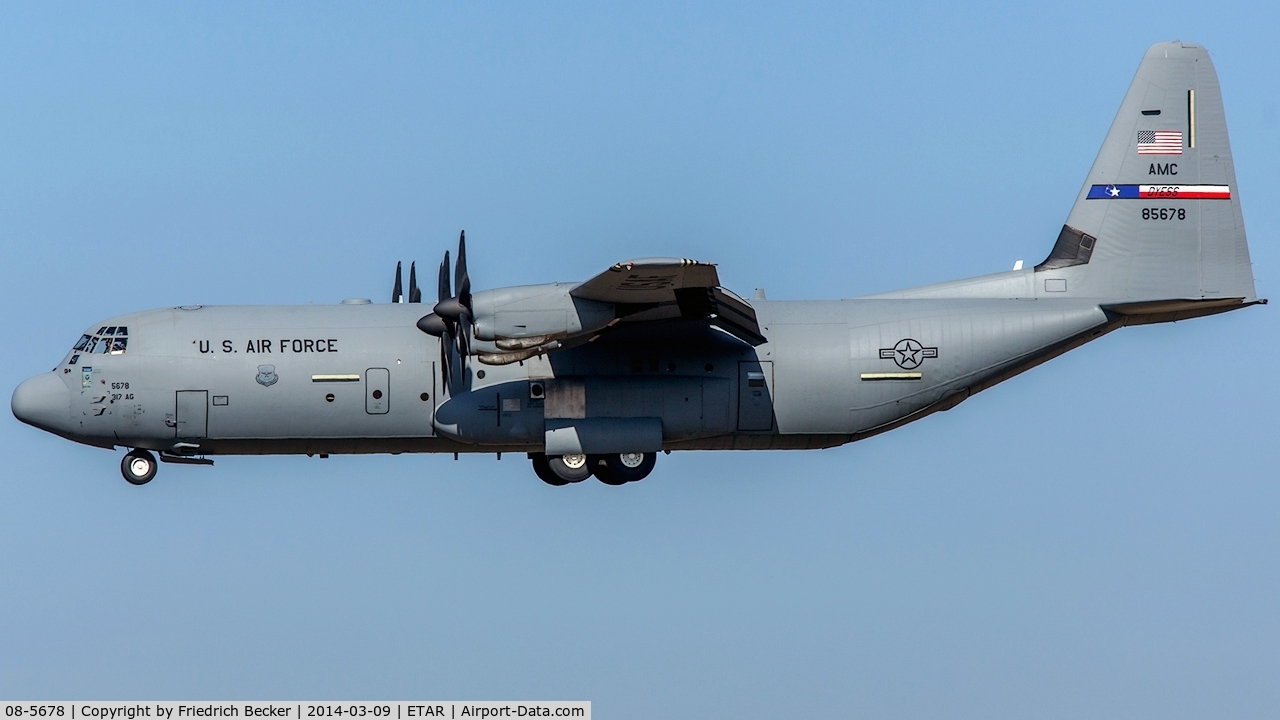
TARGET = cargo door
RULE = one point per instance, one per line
(192, 414)
(377, 391)
(755, 398)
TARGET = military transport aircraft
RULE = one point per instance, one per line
(651, 355)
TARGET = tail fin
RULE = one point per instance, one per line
(1158, 219)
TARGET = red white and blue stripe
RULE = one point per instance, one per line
(1159, 192)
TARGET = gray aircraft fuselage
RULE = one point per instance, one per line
(653, 355)
(301, 379)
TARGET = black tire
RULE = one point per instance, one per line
(138, 467)
(604, 472)
(542, 468)
(630, 467)
(570, 468)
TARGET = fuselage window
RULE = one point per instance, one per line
(84, 343)
(118, 345)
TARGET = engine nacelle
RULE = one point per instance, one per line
(536, 314)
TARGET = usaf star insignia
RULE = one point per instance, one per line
(908, 353)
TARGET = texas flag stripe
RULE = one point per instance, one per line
(1159, 192)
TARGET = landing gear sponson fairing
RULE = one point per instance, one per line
(653, 355)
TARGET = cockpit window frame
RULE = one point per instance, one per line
(109, 340)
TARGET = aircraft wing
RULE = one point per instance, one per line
(654, 289)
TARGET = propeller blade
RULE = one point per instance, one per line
(415, 292)
(396, 292)
(461, 280)
(464, 337)
(442, 286)
(446, 343)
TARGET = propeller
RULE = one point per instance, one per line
(450, 319)
(397, 293)
(458, 306)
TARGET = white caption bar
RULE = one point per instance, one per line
(296, 710)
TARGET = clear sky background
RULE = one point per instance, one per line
(1096, 538)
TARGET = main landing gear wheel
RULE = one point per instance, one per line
(138, 467)
(542, 467)
(570, 468)
(622, 468)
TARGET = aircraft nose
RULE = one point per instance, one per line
(43, 401)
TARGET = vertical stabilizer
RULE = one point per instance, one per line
(1158, 218)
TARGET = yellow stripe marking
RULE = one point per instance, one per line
(893, 376)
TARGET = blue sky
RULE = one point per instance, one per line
(1095, 538)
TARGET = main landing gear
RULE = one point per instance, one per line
(613, 469)
(138, 466)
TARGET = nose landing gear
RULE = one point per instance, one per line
(138, 466)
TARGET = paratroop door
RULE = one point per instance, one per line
(377, 390)
(755, 401)
(192, 415)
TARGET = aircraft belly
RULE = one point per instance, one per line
(508, 413)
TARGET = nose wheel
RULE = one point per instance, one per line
(138, 466)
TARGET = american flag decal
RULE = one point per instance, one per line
(1159, 142)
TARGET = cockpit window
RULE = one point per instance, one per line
(111, 340)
